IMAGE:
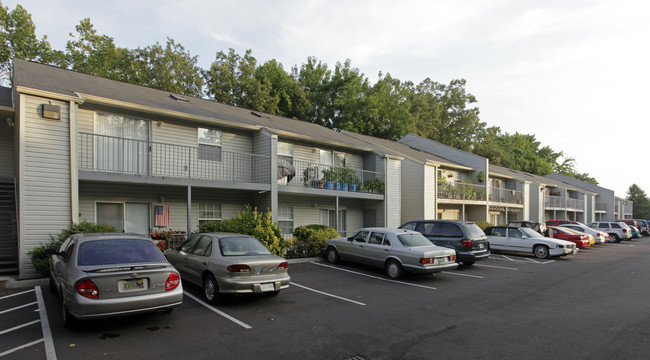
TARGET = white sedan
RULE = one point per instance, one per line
(395, 250)
(521, 239)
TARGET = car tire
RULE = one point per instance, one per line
(394, 269)
(211, 290)
(614, 238)
(541, 251)
(332, 255)
(69, 320)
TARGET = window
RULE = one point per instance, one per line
(409, 226)
(332, 158)
(328, 217)
(376, 238)
(121, 144)
(209, 211)
(203, 246)
(360, 236)
(209, 144)
(514, 233)
(450, 230)
(285, 220)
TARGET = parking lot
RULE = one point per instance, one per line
(593, 305)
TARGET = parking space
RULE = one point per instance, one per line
(345, 310)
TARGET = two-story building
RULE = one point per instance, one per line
(89, 148)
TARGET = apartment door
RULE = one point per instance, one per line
(121, 144)
(125, 217)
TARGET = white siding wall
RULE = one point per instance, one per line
(6, 150)
(393, 193)
(45, 187)
(413, 204)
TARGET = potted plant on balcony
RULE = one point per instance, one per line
(331, 178)
(376, 186)
(309, 176)
(349, 178)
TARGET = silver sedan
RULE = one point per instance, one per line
(226, 263)
(108, 274)
(395, 250)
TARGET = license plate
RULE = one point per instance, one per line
(135, 284)
(267, 287)
(481, 246)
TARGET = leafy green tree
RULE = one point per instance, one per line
(292, 101)
(314, 78)
(641, 202)
(169, 68)
(18, 40)
(231, 79)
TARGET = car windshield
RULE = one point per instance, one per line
(530, 233)
(242, 246)
(413, 240)
(118, 251)
(474, 231)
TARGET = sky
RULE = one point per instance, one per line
(574, 73)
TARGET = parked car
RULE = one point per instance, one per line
(560, 222)
(636, 233)
(395, 250)
(590, 238)
(465, 237)
(227, 263)
(523, 239)
(539, 227)
(644, 226)
(599, 236)
(581, 240)
(108, 274)
(617, 231)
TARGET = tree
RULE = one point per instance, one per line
(18, 40)
(170, 68)
(314, 78)
(231, 79)
(641, 202)
(292, 101)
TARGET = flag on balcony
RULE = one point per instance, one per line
(161, 215)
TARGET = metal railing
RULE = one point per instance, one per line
(601, 206)
(508, 196)
(313, 175)
(559, 202)
(110, 154)
(460, 190)
(629, 208)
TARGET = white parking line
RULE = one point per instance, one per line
(19, 327)
(327, 294)
(50, 353)
(460, 274)
(375, 277)
(20, 347)
(496, 267)
(16, 294)
(17, 307)
(540, 262)
(240, 323)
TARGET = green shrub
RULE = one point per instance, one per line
(40, 260)
(483, 224)
(309, 239)
(254, 223)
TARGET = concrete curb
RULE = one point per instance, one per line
(304, 260)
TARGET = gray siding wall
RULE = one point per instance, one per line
(45, 201)
(232, 202)
(6, 150)
(306, 210)
(394, 193)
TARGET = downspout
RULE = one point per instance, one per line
(20, 130)
(74, 164)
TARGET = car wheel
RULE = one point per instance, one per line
(394, 269)
(211, 289)
(614, 238)
(68, 319)
(332, 255)
(540, 251)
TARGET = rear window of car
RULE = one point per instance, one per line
(242, 246)
(413, 240)
(117, 251)
(474, 231)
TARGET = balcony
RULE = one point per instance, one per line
(115, 155)
(507, 196)
(559, 202)
(321, 176)
(601, 207)
(460, 191)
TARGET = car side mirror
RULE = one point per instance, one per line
(51, 251)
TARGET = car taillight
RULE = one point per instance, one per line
(88, 289)
(427, 260)
(238, 268)
(452, 257)
(466, 243)
(172, 281)
(625, 230)
(283, 265)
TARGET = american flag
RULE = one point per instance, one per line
(161, 215)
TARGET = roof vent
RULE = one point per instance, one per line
(178, 98)
(260, 115)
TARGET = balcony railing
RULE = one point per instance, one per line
(601, 206)
(559, 202)
(629, 208)
(313, 175)
(460, 191)
(508, 196)
(110, 154)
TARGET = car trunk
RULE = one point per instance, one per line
(125, 280)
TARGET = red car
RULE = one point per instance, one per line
(560, 222)
(559, 233)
